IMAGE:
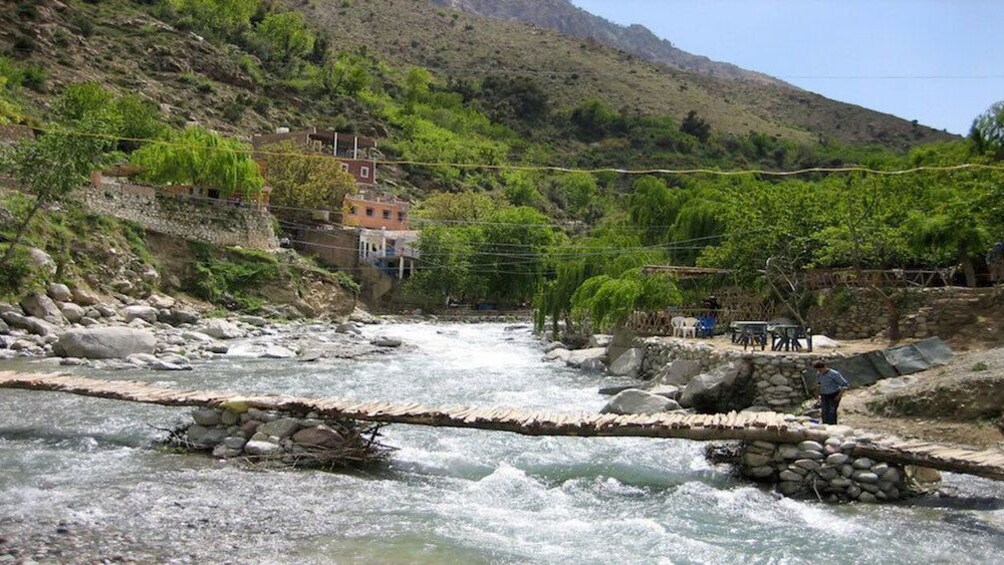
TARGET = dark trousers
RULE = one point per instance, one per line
(829, 403)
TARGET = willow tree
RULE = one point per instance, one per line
(304, 180)
(608, 301)
(201, 158)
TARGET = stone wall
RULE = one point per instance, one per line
(776, 376)
(827, 471)
(947, 312)
(217, 223)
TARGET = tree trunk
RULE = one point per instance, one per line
(20, 232)
(892, 319)
(969, 270)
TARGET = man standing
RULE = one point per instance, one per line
(831, 387)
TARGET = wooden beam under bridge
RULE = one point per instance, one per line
(746, 426)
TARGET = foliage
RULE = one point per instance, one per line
(987, 132)
(608, 301)
(301, 179)
(449, 207)
(201, 158)
(346, 75)
(222, 17)
(286, 34)
(696, 126)
(231, 279)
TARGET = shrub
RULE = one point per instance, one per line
(15, 274)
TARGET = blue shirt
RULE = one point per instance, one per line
(831, 382)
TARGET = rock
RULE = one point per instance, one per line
(160, 301)
(72, 312)
(867, 497)
(840, 483)
(809, 455)
(205, 437)
(174, 358)
(628, 363)
(635, 401)
(150, 275)
(221, 329)
(386, 341)
(177, 316)
(579, 356)
(105, 310)
(713, 391)
(218, 348)
(235, 442)
(614, 390)
(787, 452)
(259, 448)
(72, 361)
(59, 292)
(141, 359)
(679, 372)
(32, 325)
(807, 464)
(197, 336)
(880, 468)
(599, 340)
(224, 452)
(557, 355)
(756, 460)
(862, 463)
(104, 343)
(787, 475)
(669, 391)
(41, 260)
(823, 342)
(890, 475)
(836, 459)
(810, 446)
(281, 428)
(277, 352)
(88, 322)
(864, 477)
(41, 306)
(318, 436)
(229, 418)
(554, 345)
(256, 321)
(138, 312)
(924, 475)
(593, 365)
(206, 417)
(84, 297)
(161, 365)
(349, 328)
(362, 317)
(760, 472)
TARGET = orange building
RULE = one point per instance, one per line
(375, 211)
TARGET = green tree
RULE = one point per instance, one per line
(346, 75)
(287, 35)
(447, 254)
(416, 86)
(201, 158)
(950, 233)
(608, 301)
(987, 132)
(513, 258)
(456, 208)
(222, 17)
(696, 126)
(305, 180)
(653, 208)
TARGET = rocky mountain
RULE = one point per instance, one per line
(565, 17)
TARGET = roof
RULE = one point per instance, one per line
(346, 140)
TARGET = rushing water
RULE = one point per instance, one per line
(458, 496)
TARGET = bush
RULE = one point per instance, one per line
(16, 274)
(231, 280)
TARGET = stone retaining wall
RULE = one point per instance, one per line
(827, 471)
(857, 313)
(776, 376)
(216, 223)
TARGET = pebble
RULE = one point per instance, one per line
(863, 463)
(810, 446)
(836, 459)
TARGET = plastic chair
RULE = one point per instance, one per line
(677, 324)
(689, 327)
(706, 326)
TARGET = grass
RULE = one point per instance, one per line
(979, 367)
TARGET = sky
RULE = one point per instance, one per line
(940, 62)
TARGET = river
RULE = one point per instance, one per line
(88, 470)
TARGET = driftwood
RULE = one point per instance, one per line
(746, 426)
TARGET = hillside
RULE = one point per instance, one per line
(565, 17)
(131, 47)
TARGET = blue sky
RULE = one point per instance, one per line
(952, 51)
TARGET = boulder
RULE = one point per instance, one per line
(221, 329)
(104, 343)
(41, 306)
(32, 325)
(599, 340)
(256, 321)
(362, 317)
(554, 345)
(557, 355)
(72, 312)
(593, 364)
(717, 390)
(277, 352)
(139, 312)
(386, 341)
(635, 401)
(281, 428)
(260, 448)
(208, 417)
(579, 356)
(84, 297)
(679, 372)
(628, 364)
(204, 437)
(348, 328)
(59, 292)
(669, 391)
(318, 436)
(161, 365)
(160, 301)
(823, 342)
(177, 316)
(196, 336)
(615, 390)
(41, 260)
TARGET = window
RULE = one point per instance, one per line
(369, 211)
(400, 216)
(353, 210)
(345, 167)
(364, 172)
(386, 214)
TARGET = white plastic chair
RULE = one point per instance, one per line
(677, 323)
(689, 326)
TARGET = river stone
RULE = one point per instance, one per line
(593, 365)
(864, 477)
(554, 345)
(787, 452)
(679, 372)
(196, 336)
(142, 359)
(557, 355)
(890, 475)
(206, 416)
(160, 301)
(318, 436)
(788, 488)
(810, 445)
(807, 464)
(669, 391)
(349, 328)
(221, 329)
(599, 340)
(628, 363)
(846, 470)
(59, 292)
(230, 418)
(42, 260)
(787, 475)
(840, 482)
(867, 497)
(809, 455)
(277, 352)
(836, 459)
(161, 365)
(41, 306)
(756, 459)
(281, 428)
(177, 316)
(139, 312)
(104, 343)
(853, 491)
(256, 321)
(258, 448)
(386, 341)
(225, 452)
(32, 325)
(636, 401)
(863, 463)
(235, 442)
(760, 472)
(203, 436)
(827, 473)
(84, 297)
(72, 312)
(579, 356)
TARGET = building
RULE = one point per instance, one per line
(375, 211)
(393, 252)
(356, 154)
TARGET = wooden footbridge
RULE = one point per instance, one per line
(752, 426)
